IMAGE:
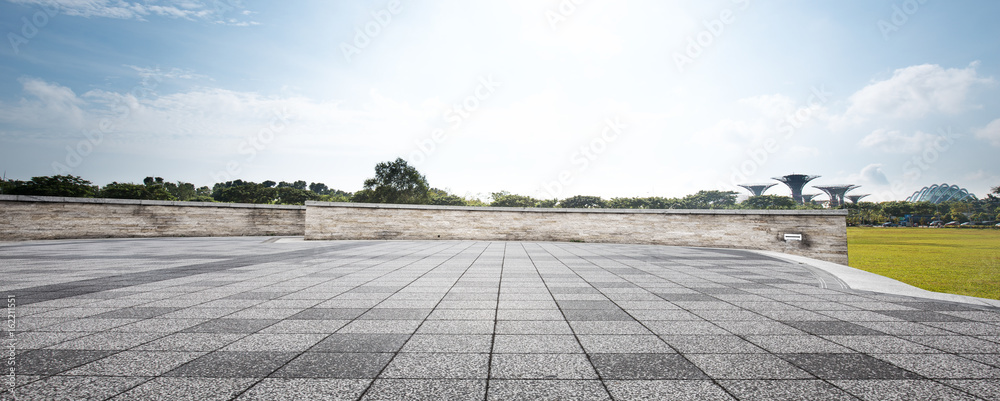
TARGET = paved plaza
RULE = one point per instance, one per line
(268, 319)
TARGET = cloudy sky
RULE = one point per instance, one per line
(550, 98)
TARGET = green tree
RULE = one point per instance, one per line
(59, 185)
(300, 185)
(123, 190)
(448, 200)
(395, 182)
(710, 200)
(507, 199)
(184, 191)
(294, 196)
(240, 191)
(583, 201)
(319, 188)
(333, 197)
(628, 203)
(896, 209)
(444, 198)
(7, 185)
(769, 202)
(924, 207)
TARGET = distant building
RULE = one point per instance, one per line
(757, 189)
(856, 198)
(808, 198)
(795, 183)
(836, 193)
(941, 193)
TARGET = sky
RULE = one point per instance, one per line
(548, 98)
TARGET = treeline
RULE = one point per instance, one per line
(980, 211)
(155, 188)
(398, 182)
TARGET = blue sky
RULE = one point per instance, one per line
(543, 98)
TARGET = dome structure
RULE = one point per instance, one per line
(940, 193)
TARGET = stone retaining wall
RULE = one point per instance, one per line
(823, 232)
(45, 217)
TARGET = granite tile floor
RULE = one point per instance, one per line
(258, 319)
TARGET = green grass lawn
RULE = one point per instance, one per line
(952, 260)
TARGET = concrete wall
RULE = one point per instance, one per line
(824, 232)
(45, 217)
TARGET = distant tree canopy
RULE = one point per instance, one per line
(299, 185)
(395, 182)
(710, 200)
(240, 191)
(506, 199)
(59, 185)
(769, 202)
(135, 191)
(398, 182)
(582, 201)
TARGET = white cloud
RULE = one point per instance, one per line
(212, 11)
(174, 73)
(47, 106)
(803, 152)
(916, 91)
(201, 121)
(896, 141)
(873, 174)
(990, 133)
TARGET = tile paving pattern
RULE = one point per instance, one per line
(249, 319)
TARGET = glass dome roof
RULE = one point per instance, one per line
(940, 193)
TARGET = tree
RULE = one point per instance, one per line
(268, 184)
(240, 191)
(507, 199)
(300, 185)
(769, 202)
(395, 182)
(897, 208)
(183, 190)
(319, 188)
(710, 200)
(149, 181)
(582, 201)
(448, 200)
(6, 186)
(628, 203)
(123, 190)
(443, 198)
(294, 196)
(59, 185)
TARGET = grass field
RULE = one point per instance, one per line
(951, 260)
